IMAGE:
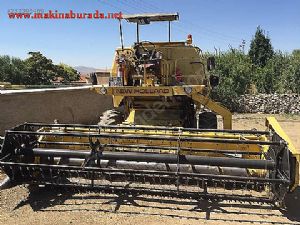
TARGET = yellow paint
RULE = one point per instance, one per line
(215, 107)
(169, 143)
(130, 118)
(117, 100)
(273, 125)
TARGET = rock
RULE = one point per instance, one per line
(268, 103)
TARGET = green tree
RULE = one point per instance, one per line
(12, 70)
(67, 73)
(261, 49)
(236, 75)
(296, 53)
(41, 70)
(5, 69)
(19, 71)
(35, 70)
(295, 68)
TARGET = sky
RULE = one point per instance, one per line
(213, 24)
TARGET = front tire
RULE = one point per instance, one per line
(208, 120)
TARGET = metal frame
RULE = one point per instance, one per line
(30, 142)
(197, 92)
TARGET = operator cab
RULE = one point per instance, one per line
(149, 63)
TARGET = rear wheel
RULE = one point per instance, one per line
(292, 204)
(208, 120)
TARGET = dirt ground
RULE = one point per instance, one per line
(43, 206)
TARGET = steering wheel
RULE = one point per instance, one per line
(145, 42)
(144, 49)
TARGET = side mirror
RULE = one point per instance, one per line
(211, 63)
(214, 81)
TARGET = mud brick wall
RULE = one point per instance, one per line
(69, 105)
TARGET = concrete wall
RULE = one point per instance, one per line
(68, 105)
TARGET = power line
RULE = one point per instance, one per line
(180, 26)
(210, 32)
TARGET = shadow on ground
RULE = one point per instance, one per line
(47, 198)
(292, 203)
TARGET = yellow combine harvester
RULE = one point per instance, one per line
(168, 144)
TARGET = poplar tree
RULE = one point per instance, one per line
(261, 49)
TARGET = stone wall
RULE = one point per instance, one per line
(268, 103)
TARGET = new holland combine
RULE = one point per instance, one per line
(169, 143)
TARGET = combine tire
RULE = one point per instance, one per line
(208, 120)
(292, 204)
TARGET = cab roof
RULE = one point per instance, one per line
(150, 17)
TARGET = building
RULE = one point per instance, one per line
(102, 76)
